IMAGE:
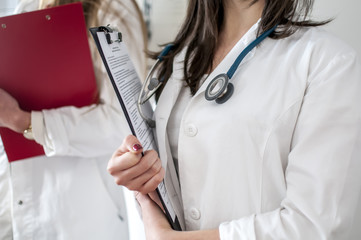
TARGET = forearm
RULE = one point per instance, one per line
(88, 131)
(158, 228)
(212, 234)
(17, 121)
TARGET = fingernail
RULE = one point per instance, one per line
(136, 147)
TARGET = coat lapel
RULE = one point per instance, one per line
(167, 100)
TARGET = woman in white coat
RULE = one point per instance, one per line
(68, 193)
(279, 159)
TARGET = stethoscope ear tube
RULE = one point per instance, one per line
(150, 85)
(149, 121)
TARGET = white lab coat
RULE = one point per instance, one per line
(282, 158)
(69, 194)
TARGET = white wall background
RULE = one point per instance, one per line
(167, 15)
(347, 19)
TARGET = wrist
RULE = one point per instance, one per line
(22, 121)
(28, 133)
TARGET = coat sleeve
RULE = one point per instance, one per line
(323, 174)
(98, 129)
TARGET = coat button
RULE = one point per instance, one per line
(195, 213)
(191, 130)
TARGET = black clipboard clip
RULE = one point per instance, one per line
(107, 30)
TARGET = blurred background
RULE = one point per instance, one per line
(163, 18)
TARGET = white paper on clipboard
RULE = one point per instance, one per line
(127, 86)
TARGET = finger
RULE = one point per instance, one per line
(144, 199)
(134, 165)
(153, 183)
(119, 160)
(141, 197)
(144, 177)
(152, 214)
(138, 175)
(129, 144)
(117, 165)
(136, 194)
(146, 162)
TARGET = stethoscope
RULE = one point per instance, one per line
(219, 89)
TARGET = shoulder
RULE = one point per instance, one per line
(321, 44)
(320, 51)
(331, 60)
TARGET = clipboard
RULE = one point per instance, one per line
(127, 87)
(45, 63)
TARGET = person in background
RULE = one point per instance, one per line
(280, 158)
(68, 194)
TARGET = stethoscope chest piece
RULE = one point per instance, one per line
(219, 89)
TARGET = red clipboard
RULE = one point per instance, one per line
(45, 63)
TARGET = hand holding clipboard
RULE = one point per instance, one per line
(45, 63)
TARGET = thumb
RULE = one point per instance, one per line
(130, 144)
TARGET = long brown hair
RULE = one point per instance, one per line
(202, 24)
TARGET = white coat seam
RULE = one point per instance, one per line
(266, 143)
(340, 195)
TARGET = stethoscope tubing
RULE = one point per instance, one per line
(249, 48)
(225, 89)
